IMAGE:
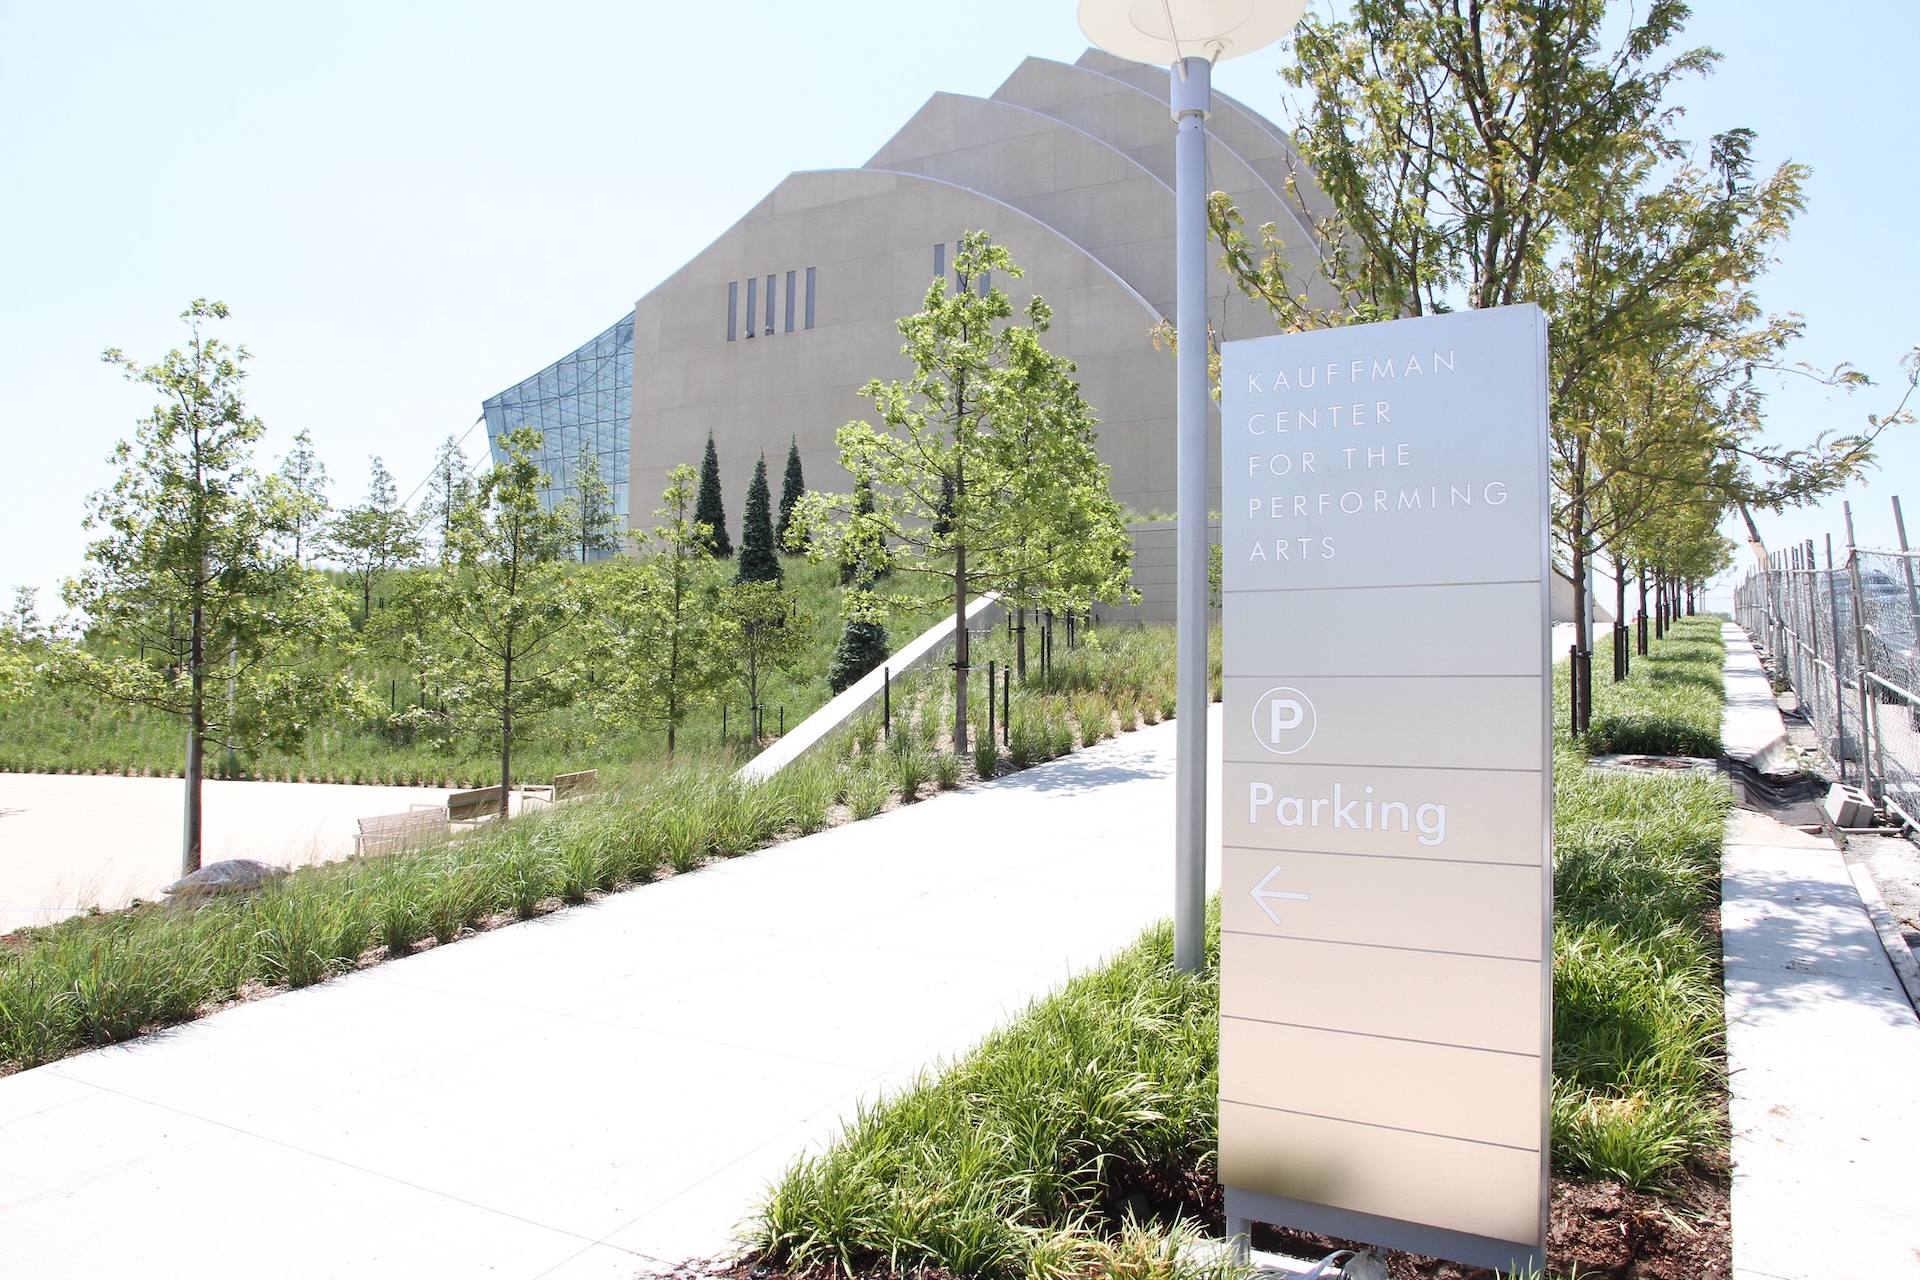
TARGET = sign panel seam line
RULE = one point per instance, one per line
(1390, 586)
(1383, 857)
(1375, 1035)
(1382, 946)
(1344, 764)
(1439, 675)
(1391, 1128)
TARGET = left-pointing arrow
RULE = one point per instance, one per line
(1261, 895)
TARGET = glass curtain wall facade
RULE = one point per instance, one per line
(581, 401)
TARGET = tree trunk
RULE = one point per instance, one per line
(1640, 621)
(506, 732)
(960, 649)
(196, 748)
(1619, 619)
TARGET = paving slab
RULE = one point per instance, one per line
(69, 842)
(1823, 1052)
(601, 1092)
(1751, 730)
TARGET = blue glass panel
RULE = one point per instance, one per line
(583, 401)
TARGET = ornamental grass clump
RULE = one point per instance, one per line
(1111, 1081)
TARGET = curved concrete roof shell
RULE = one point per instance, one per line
(768, 333)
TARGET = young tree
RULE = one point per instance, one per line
(186, 592)
(710, 512)
(771, 632)
(590, 509)
(659, 632)
(449, 488)
(791, 487)
(305, 479)
(759, 561)
(498, 653)
(990, 413)
(23, 640)
(373, 538)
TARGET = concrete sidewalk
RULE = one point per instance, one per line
(1823, 1055)
(598, 1092)
(1751, 730)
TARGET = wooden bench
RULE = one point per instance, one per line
(472, 806)
(573, 784)
(391, 832)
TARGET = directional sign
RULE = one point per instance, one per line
(1387, 900)
(1263, 895)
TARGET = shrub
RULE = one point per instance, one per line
(986, 758)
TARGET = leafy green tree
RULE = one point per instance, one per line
(710, 512)
(855, 571)
(590, 508)
(499, 651)
(659, 632)
(449, 488)
(23, 641)
(759, 560)
(191, 608)
(373, 538)
(1477, 153)
(991, 414)
(770, 631)
(1448, 139)
(792, 485)
(305, 479)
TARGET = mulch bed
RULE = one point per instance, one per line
(1597, 1230)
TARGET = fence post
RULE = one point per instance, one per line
(1839, 677)
(886, 701)
(1006, 705)
(1861, 665)
(1906, 565)
(993, 680)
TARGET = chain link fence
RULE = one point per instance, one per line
(1843, 628)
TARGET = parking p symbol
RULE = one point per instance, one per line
(1283, 720)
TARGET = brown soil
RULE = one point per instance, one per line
(1597, 1230)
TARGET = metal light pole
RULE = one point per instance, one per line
(1189, 36)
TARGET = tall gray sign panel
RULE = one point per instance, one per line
(1387, 893)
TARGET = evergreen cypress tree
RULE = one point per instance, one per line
(943, 514)
(862, 647)
(708, 509)
(758, 560)
(790, 490)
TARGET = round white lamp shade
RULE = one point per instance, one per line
(1164, 31)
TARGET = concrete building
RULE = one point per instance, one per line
(767, 334)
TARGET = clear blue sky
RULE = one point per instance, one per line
(411, 206)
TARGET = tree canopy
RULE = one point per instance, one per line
(983, 474)
(191, 597)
